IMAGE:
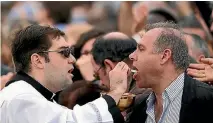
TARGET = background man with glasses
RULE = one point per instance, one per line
(44, 63)
(107, 52)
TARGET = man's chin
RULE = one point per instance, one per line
(68, 83)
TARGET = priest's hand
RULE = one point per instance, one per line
(118, 81)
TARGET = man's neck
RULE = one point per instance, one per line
(164, 81)
(39, 78)
(158, 107)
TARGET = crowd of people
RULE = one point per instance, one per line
(106, 62)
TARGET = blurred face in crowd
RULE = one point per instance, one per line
(42, 17)
(84, 62)
(58, 70)
(145, 61)
(198, 31)
(86, 49)
(195, 54)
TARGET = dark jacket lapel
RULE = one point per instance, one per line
(188, 95)
(139, 112)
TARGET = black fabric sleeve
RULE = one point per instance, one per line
(113, 109)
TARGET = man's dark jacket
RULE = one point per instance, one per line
(196, 105)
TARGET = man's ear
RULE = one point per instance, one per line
(166, 55)
(109, 65)
(37, 61)
(200, 57)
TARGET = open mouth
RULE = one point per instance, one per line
(134, 70)
(70, 71)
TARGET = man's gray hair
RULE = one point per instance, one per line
(171, 38)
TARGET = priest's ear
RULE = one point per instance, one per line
(37, 61)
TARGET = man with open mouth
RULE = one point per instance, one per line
(161, 59)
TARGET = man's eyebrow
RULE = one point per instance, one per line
(63, 47)
(140, 45)
(65, 37)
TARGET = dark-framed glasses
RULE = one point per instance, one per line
(66, 52)
(96, 75)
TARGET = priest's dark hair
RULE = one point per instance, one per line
(32, 39)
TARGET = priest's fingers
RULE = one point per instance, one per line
(197, 66)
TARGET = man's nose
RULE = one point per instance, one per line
(132, 56)
(72, 59)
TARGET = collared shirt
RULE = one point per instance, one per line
(172, 97)
(40, 88)
(20, 102)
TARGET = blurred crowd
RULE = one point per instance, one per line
(85, 22)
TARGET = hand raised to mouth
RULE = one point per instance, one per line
(118, 80)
